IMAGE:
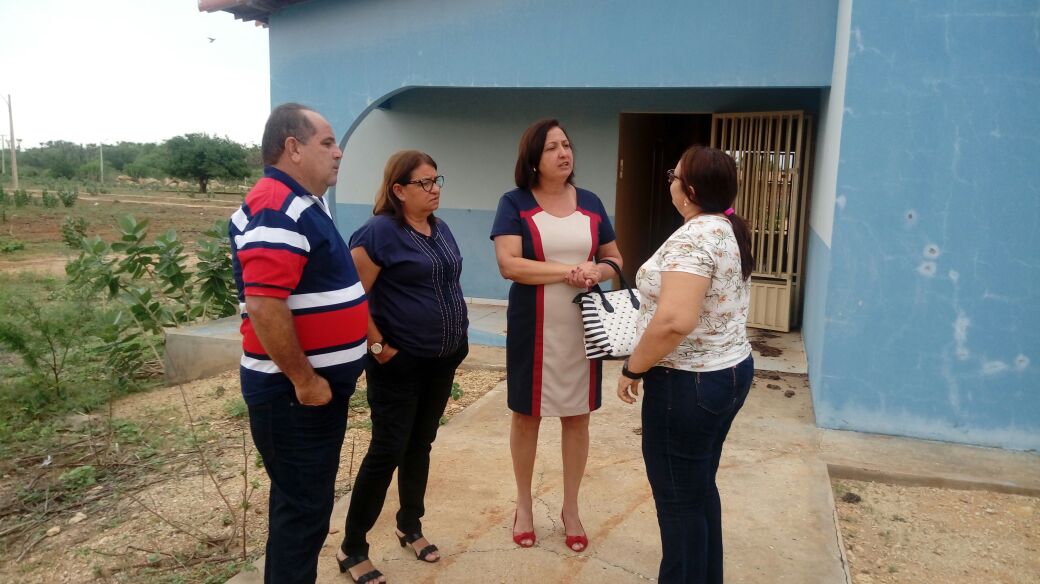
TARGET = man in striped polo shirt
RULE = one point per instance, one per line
(304, 320)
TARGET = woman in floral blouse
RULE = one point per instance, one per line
(695, 358)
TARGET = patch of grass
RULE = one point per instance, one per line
(11, 246)
(127, 432)
(235, 408)
(79, 478)
(32, 410)
(359, 401)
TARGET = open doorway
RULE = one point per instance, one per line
(773, 151)
(649, 145)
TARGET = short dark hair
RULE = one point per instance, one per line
(286, 120)
(398, 171)
(532, 143)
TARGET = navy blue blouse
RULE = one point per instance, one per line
(416, 300)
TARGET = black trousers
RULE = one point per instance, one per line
(300, 446)
(407, 396)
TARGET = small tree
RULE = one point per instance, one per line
(200, 157)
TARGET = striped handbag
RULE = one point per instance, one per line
(609, 319)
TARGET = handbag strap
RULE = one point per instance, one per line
(617, 270)
(624, 286)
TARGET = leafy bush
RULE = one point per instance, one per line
(49, 200)
(68, 198)
(73, 230)
(21, 198)
(151, 288)
(51, 351)
(5, 199)
(45, 335)
(11, 246)
(216, 284)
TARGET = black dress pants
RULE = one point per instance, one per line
(300, 446)
(407, 396)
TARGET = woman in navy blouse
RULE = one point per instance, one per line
(409, 265)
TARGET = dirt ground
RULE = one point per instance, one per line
(898, 534)
(171, 529)
(162, 519)
(39, 228)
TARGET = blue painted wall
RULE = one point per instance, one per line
(932, 320)
(344, 57)
(923, 272)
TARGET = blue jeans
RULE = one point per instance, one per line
(686, 417)
(300, 446)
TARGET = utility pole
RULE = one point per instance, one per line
(14, 153)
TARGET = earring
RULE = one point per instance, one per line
(534, 170)
(685, 203)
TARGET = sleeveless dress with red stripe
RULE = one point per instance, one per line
(547, 372)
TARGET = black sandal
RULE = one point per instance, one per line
(350, 562)
(420, 554)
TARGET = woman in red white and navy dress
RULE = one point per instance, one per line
(548, 235)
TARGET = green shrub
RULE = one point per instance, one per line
(49, 200)
(152, 288)
(21, 198)
(73, 230)
(68, 198)
(5, 199)
(46, 333)
(10, 246)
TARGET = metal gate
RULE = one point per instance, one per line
(773, 151)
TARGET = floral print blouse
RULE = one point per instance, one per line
(704, 246)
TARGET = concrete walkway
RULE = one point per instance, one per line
(778, 510)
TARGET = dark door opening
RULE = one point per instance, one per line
(649, 145)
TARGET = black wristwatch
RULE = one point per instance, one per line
(634, 376)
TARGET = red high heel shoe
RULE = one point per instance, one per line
(519, 538)
(575, 543)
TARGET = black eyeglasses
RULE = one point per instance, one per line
(427, 183)
(671, 175)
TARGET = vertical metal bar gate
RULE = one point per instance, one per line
(773, 151)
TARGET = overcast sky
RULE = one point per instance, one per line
(130, 70)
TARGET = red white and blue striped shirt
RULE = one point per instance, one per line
(284, 244)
